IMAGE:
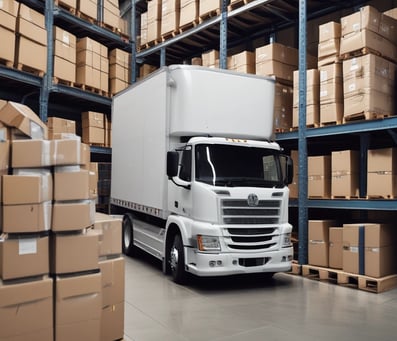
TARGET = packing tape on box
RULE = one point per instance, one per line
(317, 241)
(92, 211)
(67, 169)
(47, 215)
(36, 132)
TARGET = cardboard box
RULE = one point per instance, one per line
(71, 184)
(336, 247)
(353, 248)
(345, 173)
(382, 169)
(207, 6)
(64, 69)
(318, 235)
(74, 252)
(330, 30)
(31, 153)
(65, 45)
(31, 25)
(119, 72)
(8, 14)
(170, 22)
(112, 322)
(24, 119)
(27, 218)
(153, 29)
(331, 72)
(283, 107)
(312, 115)
(61, 125)
(331, 112)
(88, 8)
(78, 307)
(7, 50)
(93, 135)
(119, 57)
(331, 92)
(85, 155)
(23, 256)
(293, 187)
(71, 216)
(117, 85)
(67, 152)
(31, 54)
(27, 189)
(113, 281)
(93, 119)
(277, 52)
(110, 232)
(329, 48)
(189, 12)
(70, 3)
(367, 65)
(319, 176)
(26, 311)
(277, 69)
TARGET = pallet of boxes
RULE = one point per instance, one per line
(52, 286)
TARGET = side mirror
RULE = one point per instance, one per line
(172, 164)
(287, 169)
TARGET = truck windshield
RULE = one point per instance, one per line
(226, 165)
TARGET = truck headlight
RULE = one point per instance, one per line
(208, 243)
(286, 240)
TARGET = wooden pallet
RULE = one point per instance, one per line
(65, 6)
(237, 4)
(209, 15)
(360, 52)
(380, 197)
(169, 35)
(57, 80)
(331, 123)
(7, 63)
(296, 269)
(347, 197)
(282, 130)
(315, 125)
(150, 44)
(188, 26)
(92, 89)
(29, 69)
(339, 277)
(86, 17)
(368, 115)
(115, 30)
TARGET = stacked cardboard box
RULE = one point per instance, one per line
(329, 43)
(170, 14)
(64, 55)
(331, 93)
(293, 187)
(144, 27)
(119, 70)
(242, 62)
(145, 70)
(8, 14)
(93, 124)
(67, 3)
(31, 40)
(211, 59)
(369, 249)
(92, 64)
(111, 13)
(319, 176)
(336, 247)
(196, 61)
(369, 85)
(369, 29)
(345, 173)
(189, 12)
(57, 127)
(88, 8)
(312, 98)
(283, 107)
(208, 7)
(113, 276)
(318, 235)
(382, 171)
(153, 20)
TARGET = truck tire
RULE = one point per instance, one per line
(128, 235)
(177, 260)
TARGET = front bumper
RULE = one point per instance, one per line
(222, 264)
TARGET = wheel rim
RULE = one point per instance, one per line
(174, 258)
(127, 234)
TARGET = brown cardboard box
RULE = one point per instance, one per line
(207, 6)
(143, 35)
(283, 107)
(382, 169)
(71, 216)
(93, 119)
(119, 72)
(119, 57)
(331, 92)
(74, 252)
(331, 112)
(113, 280)
(336, 247)
(71, 184)
(31, 25)
(111, 13)
(277, 52)
(8, 14)
(23, 256)
(31, 54)
(27, 218)
(26, 311)
(117, 85)
(242, 62)
(293, 187)
(88, 8)
(312, 115)
(352, 248)
(78, 308)
(112, 322)
(329, 48)
(368, 39)
(329, 30)
(209, 58)
(31, 153)
(109, 228)
(70, 3)
(64, 69)
(391, 13)
(170, 22)
(27, 189)
(93, 184)
(67, 152)
(65, 45)
(345, 173)
(277, 69)
(330, 72)
(24, 119)
(312, 85)
(85, 155)
(318, 234)
(154, 19)
(93, 135)
(319, 176)
(61, 125)
(7, 50)
(189, 12)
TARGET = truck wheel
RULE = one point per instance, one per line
(128, 235)
(177, 260)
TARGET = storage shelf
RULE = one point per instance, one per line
(20, 76)
(101, 150)
(349, 204)
(81, 94)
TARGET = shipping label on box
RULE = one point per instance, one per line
(23, 256)
(33, 300)
(72, 216)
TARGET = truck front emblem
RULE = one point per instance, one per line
(252, 200)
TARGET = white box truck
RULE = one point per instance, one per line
(199, 182)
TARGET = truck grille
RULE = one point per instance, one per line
(237, 212)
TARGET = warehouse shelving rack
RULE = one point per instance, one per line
(263, 18)
(45, 96)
